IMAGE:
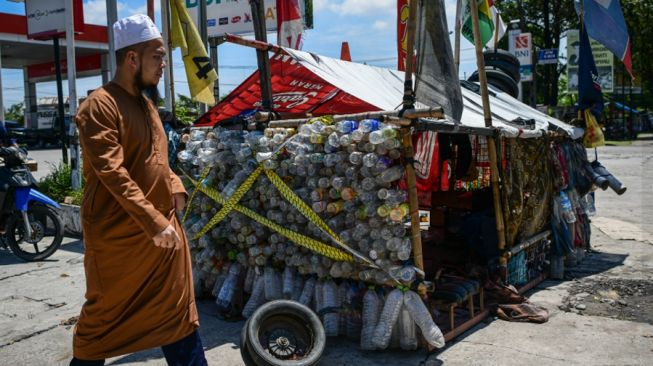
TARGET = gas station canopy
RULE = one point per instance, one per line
(18, 51)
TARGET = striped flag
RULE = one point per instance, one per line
(289, 24)
(501, 26)
(606, 24)
(486, 21)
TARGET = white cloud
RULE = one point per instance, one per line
(95, 11)
(380, 25)
(356, 7)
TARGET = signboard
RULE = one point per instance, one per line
(84, 65)
(602, 58)
(235, 17)
(47, 18)
(522, 46)
(547, 56)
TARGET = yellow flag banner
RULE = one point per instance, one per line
(200, 73)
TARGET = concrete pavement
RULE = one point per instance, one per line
(38, 299)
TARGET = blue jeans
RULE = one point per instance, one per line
(185, 352)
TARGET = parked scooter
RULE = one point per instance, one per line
(31, 225)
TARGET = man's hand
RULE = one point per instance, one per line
(179, 201)
(168, 238)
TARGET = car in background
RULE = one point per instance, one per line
(37, 138)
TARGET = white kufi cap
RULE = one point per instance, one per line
(134, 29)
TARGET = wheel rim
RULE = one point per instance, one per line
(285, 337)
(44, 234)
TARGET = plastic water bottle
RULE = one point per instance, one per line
(249, 279)
(319, 296)
(257, 298)
(288, 282)
(391, 175)
(346, 126)
(354, 316)
(388, 318)
(423, 319)
(342, 313)
(229, 287)
(298, 287)
(407, 330)
(369, 125)
(371, 309)
(308, 292)
(331, 319)
(272, 284)
(567, 209)
(219, 281)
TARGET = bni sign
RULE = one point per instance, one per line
(522, 50)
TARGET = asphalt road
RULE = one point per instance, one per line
(37, 300)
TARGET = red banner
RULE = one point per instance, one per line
(295, 90)
(402, 39)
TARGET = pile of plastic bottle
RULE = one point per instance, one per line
(348, 173)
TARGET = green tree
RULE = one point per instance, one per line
(16, 112)
(638, 15)
(186, 109)
(547, 21)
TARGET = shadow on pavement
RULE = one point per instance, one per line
(594, 263)
(229, 333)
(76, 246)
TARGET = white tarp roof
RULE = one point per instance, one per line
(384, 88)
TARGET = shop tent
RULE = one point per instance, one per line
(304, 83)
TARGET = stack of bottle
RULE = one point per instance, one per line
(348, 173)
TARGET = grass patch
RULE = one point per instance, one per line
(618, 143)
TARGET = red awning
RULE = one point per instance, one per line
(295, 90)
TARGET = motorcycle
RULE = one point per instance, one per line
(32, 227)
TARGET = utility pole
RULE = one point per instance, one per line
(262, 57)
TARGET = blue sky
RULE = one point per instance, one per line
(369, 27)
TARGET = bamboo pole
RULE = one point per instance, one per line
(168, 28)
(492, 150)
(261, 46)
(410, 51)
(262, 56)
(407, 142)
(383, 115)
(415, 231)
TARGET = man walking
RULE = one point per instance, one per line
(139, 291)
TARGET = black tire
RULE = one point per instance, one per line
(288, 318)
(499, 80)
(503, 60)
(244, 350)
(47, 225)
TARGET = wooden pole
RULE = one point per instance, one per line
(456, 52)
(410, 51)
(262, 57)
(166, 14)
(259, 45)
(492, 150)
(407, 115)
(407, 142)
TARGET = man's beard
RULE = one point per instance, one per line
(150, 91)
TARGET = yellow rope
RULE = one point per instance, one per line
(231, 202)
(189, 206)
(311, 215)
(299, 239)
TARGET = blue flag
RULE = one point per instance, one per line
(606, 24)
(589, 89)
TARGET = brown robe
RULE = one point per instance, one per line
(138, 295)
